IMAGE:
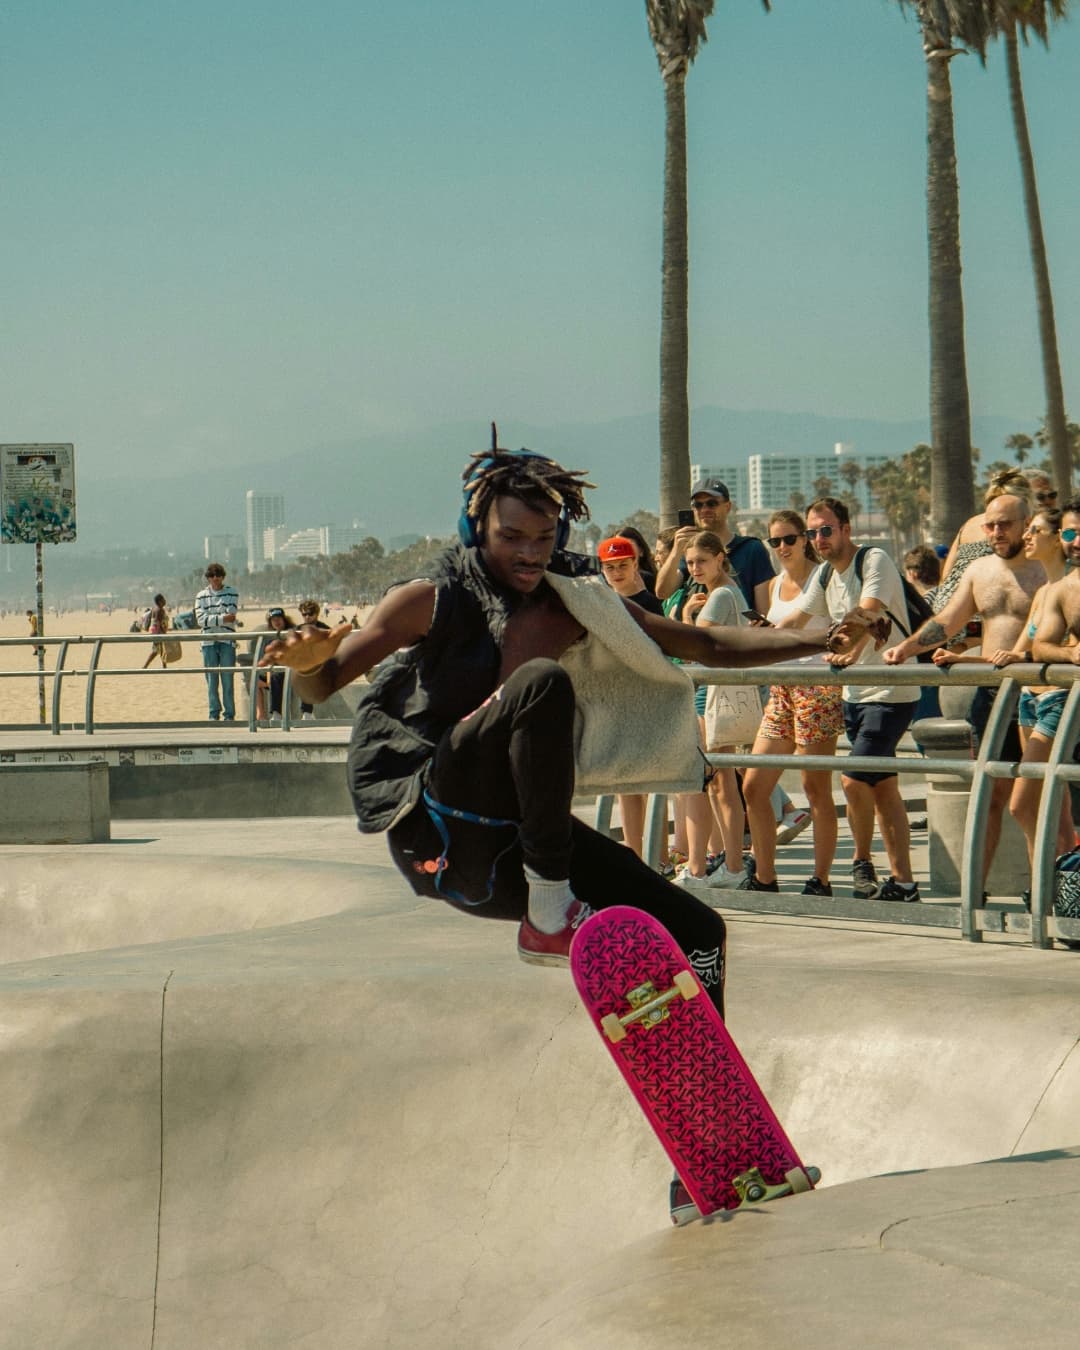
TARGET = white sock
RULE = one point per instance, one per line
(549, 902)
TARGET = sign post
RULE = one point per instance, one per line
(37, 505)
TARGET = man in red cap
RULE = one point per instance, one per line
(619, 563)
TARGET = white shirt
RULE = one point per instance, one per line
(880, 581)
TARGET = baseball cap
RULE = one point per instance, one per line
(710, 487)
(275, 613)
(614, 548)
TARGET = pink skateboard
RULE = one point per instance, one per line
(686, 1072)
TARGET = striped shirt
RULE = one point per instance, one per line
(210, 608)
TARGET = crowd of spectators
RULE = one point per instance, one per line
(1006, 590)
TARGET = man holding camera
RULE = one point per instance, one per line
(712, 505)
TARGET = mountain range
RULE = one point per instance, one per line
(396, 484)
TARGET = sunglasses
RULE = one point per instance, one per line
(825, 531)
(1069, 535)
(1046, 496)
(788, 539)
(210, 575)
(1039, 529)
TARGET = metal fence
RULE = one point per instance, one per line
(53, 670)
(981, 771)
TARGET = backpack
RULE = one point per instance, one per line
(918, 607)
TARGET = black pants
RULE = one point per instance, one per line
(513, 759)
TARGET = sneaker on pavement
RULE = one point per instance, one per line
(687, 879)
(864, 882)
(816, 887)
(793, 824)
(551, 949)
(895, 890)
(683, 1209)
(666, 870)
(713, 861)
(724, 880)
(751, 883)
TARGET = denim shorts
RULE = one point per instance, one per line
(1042, 712)
(875, 729)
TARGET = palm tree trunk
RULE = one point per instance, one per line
(952, 485)
(674, 334)
(1056, 422)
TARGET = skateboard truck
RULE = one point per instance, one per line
(752, 1188)
(649, 1007)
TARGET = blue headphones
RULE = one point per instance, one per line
(469, 529)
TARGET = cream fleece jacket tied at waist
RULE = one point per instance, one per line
(635, 725)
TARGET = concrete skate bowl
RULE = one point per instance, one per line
(376, 1128)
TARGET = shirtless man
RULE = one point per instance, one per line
(999, 588)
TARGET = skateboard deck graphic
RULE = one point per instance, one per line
(681, 1064)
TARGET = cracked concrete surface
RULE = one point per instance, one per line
(373, 1127)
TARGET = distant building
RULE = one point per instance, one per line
(281, 544)
(265, 510)
(225, 548)
(768, 481)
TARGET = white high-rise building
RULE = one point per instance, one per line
(264, 511)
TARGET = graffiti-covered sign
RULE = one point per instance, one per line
(37, 494)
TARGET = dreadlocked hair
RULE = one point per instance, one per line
(532, 479)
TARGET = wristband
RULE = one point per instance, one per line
(1028, 656)
(830, 636)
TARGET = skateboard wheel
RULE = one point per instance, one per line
(814, 1173)
(687, 985)
(755, 1193)
(612, 1028)
(797, 1180)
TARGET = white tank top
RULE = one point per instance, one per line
(780, 609)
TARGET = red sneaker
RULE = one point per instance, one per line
(551, 949)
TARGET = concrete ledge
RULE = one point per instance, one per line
(54, 804)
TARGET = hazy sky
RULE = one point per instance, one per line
(247, 228)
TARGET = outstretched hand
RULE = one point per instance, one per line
(854, 628)
(305, 648)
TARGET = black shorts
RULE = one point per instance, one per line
(875, 729)
(981, 706)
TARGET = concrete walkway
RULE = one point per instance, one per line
(257, 1095)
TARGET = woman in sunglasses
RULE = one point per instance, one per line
(804, 719)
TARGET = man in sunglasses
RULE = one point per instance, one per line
(876, 715)
(712, 505)
(1059, 627)
(215, 613)
(998, 588)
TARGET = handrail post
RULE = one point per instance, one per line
(1046, 825)
(253, 681)
(972, 879)
(91, 681)
(58, 676)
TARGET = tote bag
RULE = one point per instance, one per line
(732, 715)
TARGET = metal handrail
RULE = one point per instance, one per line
(99, 643)
(987, 766)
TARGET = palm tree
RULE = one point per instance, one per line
(851, 471)
(942, 22)
(677, 29)
(1021, 445)
(1016, 18)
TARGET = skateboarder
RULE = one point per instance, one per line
(488, 677)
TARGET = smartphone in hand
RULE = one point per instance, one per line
(755, 616)
(686, 518)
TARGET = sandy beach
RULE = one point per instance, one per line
(175, 695)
